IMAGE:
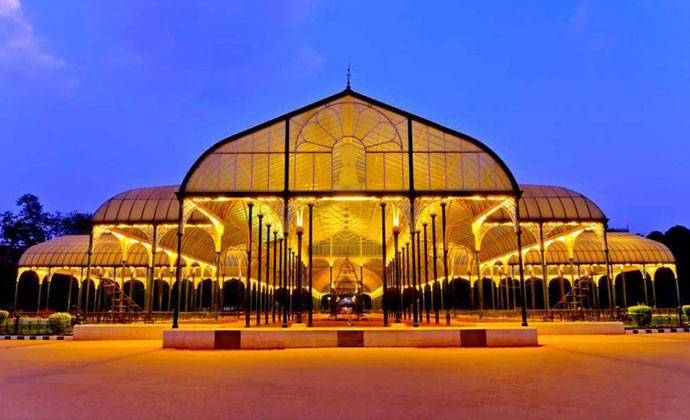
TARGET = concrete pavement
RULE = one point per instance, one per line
(568, 377)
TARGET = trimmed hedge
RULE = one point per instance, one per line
(3, 316)
(60, 322)
(686, 311)
(641, 314)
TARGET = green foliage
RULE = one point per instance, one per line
(641, 314)
(686, 311)
(60, 322)
(32, 225)
(3, 316)
(677, 239)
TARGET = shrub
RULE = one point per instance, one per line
(686, 312)
(3, 316)
(59, 322)
(641, 314)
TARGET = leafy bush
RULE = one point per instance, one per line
(686, 312)
(60, 322)
(641, 314)
(3, 316)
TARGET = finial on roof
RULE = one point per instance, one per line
(349, 75)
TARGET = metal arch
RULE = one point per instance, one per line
(372, 102)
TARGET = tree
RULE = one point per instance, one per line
(29, 226)
(677, 239)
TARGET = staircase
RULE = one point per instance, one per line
(575, 297)
(120, 301)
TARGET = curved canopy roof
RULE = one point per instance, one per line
(546, 202)
(348, 142)
(142, 206)
(624, 248)
(72, 251)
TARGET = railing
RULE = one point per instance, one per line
(661, 316)
(183, 317)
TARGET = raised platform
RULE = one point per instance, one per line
(119, 331)
(278, 338)
(579, 328)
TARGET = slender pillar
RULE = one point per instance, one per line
(493, 292)
(415, 314)
(258, 270)
(89, 258)
(216, 297)
(202, 280)
(644, 285)
(49, 279)
(283, 278)
(40, 290)
(677, 287)
(170, 285)
(406, 271)
(612, 290)
(298, 262)
(186, 289)
(151, 272)
(160, 293)
(544, 270)
(445, 260)
(384, 296)
(625, 291)
(275, 258)
(330, 288)
(310, 318)
(533, 290)
(248, 288)
(426, 272)
(398, 314)
(434, 258)
(291, 280)
(480, 280)
(419, 279)
(521, 268)
(69, 293)
(16, 292)
(178, 263)
(513, 288)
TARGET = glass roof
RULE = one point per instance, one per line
(348, 142)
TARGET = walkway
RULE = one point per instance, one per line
(567, 378)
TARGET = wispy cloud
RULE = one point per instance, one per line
(19, 45)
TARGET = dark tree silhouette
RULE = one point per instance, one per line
(29, 226)
(677, 239)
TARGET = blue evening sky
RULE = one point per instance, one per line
(97, 97)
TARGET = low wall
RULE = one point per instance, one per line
(275, 338)
(578, 328)
(119, 331)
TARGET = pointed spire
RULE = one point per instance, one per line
(349, 75)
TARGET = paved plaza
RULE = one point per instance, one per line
(568, 377)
